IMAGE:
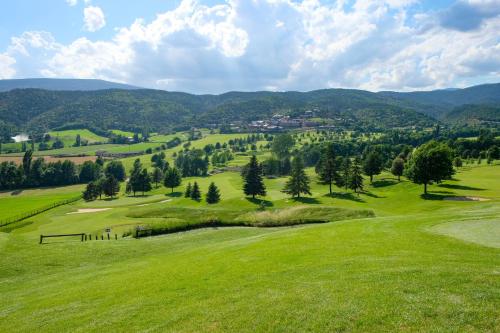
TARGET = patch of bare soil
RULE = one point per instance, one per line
(76, 159)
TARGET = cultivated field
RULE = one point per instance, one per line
(76, 159)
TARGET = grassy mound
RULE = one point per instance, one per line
(182, 219)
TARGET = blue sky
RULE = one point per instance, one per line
(209, 46)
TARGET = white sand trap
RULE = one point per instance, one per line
(89, 210)
(168, 200)
(466, 199)
(143, 205)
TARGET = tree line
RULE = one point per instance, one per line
(430, 163)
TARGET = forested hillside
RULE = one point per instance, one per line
(38, 110)
(438, 103)
(474, 114)
(41, 110)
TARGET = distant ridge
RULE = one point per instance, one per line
(62, 84)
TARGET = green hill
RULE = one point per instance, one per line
(36, 110)
(474, 114)
(41, 110)
(417, 265)
(438, 103)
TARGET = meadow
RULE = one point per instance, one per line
(413, 263)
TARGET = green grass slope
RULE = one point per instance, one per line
(398, 271)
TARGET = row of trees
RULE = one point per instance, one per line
(37, 172)
(431, 162)
(298, 183)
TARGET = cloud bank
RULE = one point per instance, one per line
(279, 45)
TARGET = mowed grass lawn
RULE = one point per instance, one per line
(397, 271)
(14, 203)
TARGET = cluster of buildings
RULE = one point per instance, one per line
(279, 122)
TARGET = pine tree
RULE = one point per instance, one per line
(213, 195)
(144, 181)
(346, 172)
(195, 192)
(254, 185)
(299, 181)
(135, 176)
(327, 168)
(189, 189)
(173, 179)
(157, 176)
(356, 178)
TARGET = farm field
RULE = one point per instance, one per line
(413, 264)
(76, 159)
(69, 136)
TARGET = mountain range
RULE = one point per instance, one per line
(62, 84)
(91, 104)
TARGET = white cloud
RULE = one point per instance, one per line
(93, 18)
(6, 69)
(73, 3)
(278, 45)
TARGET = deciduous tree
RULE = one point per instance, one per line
(431, 162)
(373, 164)
(397, 168)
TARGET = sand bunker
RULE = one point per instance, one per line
(168, 200)
(143, 205)
(89, 210)
(466, 199)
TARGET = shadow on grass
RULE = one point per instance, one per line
(438, 195)
(258, 201)
(346, 196)
(372, 195)
(305, 200)
(461, 187)
(384, 183)
(138, 196)
(174, 195)
(443, 192)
